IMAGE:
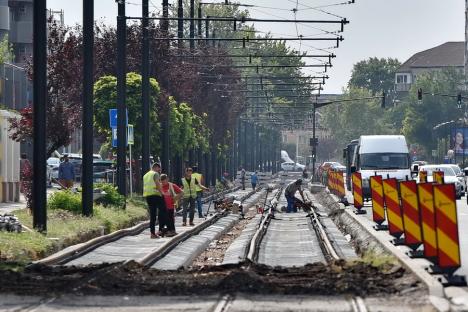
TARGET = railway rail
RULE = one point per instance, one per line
(134, 243)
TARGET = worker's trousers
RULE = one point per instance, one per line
(291, 207)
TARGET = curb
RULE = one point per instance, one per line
(78, 250)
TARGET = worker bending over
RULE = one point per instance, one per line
(290, 193)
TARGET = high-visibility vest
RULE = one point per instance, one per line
(149, 187)
(190, 190)
(199, 178)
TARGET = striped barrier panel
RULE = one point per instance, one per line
(448, 245)
(357, 190)
(392, 202)
(411, 215)
(340, 184)
(438, 177)
(377, 195)
(428, 225)
(422, 176)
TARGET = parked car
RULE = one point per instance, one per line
(292, 166)
(461, 177)
(53, 164)
(449, 176)
(327, 165)
(338, 167)
(103, 170)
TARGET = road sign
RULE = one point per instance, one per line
(392, 202)
(448, 245)
(378, 206)
(357, 190)
(113, 118)
(114, 136)
(411, 214)
(130, 136)
(426, 204)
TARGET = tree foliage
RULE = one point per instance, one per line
(105, 98)
(6, 51)
(420, 117)
(374, 74)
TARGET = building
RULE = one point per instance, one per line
(447, 55)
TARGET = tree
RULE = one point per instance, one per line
(6, 51)
(349, 120)
(105, 98)
(374, 74)
(421, 117)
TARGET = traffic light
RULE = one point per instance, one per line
(384, 95)
(419, 94)
(459, 100)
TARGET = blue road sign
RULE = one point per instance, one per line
(114, 136)
(113, 118)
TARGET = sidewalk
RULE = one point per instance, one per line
(12, 206)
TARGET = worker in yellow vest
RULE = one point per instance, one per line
(154, 198)
(190, 184)
(199, 177)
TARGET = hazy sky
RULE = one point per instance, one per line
(382, 28)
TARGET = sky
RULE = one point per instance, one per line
(378, 28)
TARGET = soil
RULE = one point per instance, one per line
(214, 254)
(133, 279)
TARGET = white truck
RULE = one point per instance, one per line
(385, 155)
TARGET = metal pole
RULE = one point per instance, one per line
(192, 24)
(131, 172)
(145, 88)
(165, 123)
(199, 22)
(87, 134)
(121, 105)
(180, 23)
(314, 145)
(39, 109)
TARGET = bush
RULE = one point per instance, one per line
(65, 200)
(112, 197)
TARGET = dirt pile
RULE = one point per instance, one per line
(134, 279)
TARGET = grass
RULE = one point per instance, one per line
(64, 229)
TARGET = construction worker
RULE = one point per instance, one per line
(290, 193)
(171, 194)
(154, 198)
(189, 185)
(199, 177)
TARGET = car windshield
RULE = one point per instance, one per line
(384, 161)
(457, 170)
(448, 172)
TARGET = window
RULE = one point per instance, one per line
(400, 79)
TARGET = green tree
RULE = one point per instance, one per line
(421, 116)
(349, 120)
(6, 51)
(374, 74)
(105, 98)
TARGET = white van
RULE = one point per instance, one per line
(385, 155)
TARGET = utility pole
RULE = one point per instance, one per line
(145, 90)
(87, 132)
(314, 142)
(192, 25)
(180, 23)
(165, 123)
(121, 105)
(39, 119)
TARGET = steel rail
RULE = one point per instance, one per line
(327, 247)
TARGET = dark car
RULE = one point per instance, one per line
(103, 171)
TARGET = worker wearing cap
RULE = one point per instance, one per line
(154, 198)
(290, 193)
(198, 187)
